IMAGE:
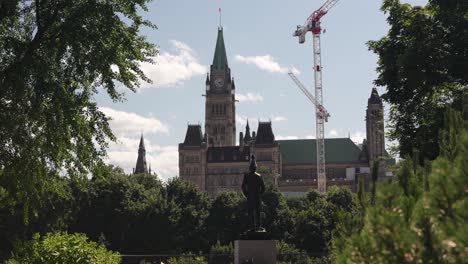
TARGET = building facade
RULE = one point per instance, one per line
(214, 163)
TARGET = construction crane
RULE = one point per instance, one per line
(322, 113)
(313, 24)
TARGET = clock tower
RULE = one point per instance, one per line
(220, 108)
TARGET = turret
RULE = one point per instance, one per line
(207, 82)
(241, 139)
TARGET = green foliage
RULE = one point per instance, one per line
(187, 211)
(56, 55)
(54, 214)
(341, 198)
(187, 260)
(227, 218)
(289, 254)
(422, 63)
(62, 248)
(413, 223)
(137, 214)
(278, 217)
(121, 209)
(448, 139)
(375, 176)
(311, 231)
(220, 253)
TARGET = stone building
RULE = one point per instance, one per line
(214, 162)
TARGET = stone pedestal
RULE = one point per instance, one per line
(261, 251)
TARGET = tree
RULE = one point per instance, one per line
(412, 223)
(422, 63)
(56, 55)
(187, 211)
(129, 213)
(63, 248)
(341, 197)
(56, 211)
(227, 218)
(278, 220)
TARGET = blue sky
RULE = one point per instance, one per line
(260, 48)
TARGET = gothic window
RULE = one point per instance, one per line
(224, 109)
(212, 108)
(216, 109)
(223, 130)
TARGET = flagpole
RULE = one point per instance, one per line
(220, 24)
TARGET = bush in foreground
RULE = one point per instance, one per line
(62, 248)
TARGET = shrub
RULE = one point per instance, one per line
(221, 254)
(187, 260)
(62, 248)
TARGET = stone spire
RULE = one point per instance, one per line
(141, 161)
(220, 62)
(247, 137)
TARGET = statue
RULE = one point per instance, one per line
(253, 187)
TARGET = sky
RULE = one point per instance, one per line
(260, 49)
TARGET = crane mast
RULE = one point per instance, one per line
(313, 24)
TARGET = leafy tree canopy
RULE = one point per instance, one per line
(422, 63)
(63, 248)
(412, 222)
(55, 56)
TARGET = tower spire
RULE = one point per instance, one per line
(220, 62)
(247, 137)
(141, 160)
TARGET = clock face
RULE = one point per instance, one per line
(219, 82)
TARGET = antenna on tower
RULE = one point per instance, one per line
(220, 17)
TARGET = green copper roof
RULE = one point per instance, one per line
(304, 151)
(220, 62)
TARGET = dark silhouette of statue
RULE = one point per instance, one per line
(253, 187)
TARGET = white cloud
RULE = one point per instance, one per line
(333, 133)
(129, 124)
(164, 160)
(249, 97)
(358, 137)
(171, 69)
(241, 120)
(266, 63)
(278, 118)
(123, 153)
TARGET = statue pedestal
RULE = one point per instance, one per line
(260, 251)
